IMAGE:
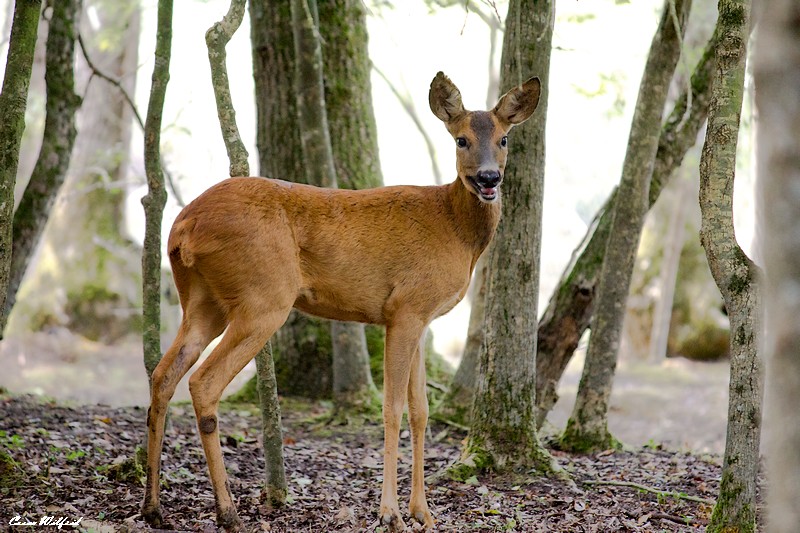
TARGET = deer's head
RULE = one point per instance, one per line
(481, 136)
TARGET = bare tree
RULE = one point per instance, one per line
(587, 427)
(777, 68)
(734, 273)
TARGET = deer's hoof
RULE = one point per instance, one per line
(423, 516)
(152, 516)
(229, 521)
(391, 519)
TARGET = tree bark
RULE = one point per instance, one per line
(503, 435)
(777, 68)
(13, 102)
(733, 272)
(58, 139)
(587, 427)
(156, 197)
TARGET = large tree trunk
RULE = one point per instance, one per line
(13, 102)
(503, 435)
(734, 274)
(57, 142)
(777, 69)
(571, 307)
(587, 427)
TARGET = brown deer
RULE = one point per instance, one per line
(248, 250)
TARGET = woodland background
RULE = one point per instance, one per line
(75, 329)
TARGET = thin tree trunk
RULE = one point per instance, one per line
(503, 435)
(275, 490)
(13, 102)
(673, 244)
(57, 142)
(777, 69)
(156, 197)
(734, 274)
(587, 427)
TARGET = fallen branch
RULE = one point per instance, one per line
(663, 493)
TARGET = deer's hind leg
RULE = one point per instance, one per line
(241, 342)
(202, 322)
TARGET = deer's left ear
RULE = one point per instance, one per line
(518, 104)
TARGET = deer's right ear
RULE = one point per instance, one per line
(445, 99)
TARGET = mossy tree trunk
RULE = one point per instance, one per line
(275, 491)
(156, 197)
(777, 69)
(734, 274)
(13, 102)
(57, 141)
(304, 350)
(587, 427)
(503, 435)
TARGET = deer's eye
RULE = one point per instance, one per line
(461, 142)
(504, 141)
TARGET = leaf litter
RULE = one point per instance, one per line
(63, 456)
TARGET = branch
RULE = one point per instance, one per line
(217, 37)
(662, 493)
(409, 107)
(116, 83)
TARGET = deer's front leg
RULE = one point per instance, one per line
(418, 420)
(402, 340)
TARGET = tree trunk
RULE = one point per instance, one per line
(275, 491)
(354, 145)
(57, 142)
(13, 102)
(734, 274)
(303, 346)
(156, 197)
(503, 435)
(570, 309)
(88, 278)
(673, 244)
(777, 68)
(587, 427)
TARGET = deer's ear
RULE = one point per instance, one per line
(518, 104)
(445, 99)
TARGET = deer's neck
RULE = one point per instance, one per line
(475, 221)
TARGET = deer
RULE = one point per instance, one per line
(249, 250)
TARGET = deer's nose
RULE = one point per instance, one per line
(488, 178)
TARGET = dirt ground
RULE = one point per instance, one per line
(64, 457)
(671, 416)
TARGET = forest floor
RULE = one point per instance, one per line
(64, 457)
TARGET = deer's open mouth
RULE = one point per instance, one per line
(486, 194)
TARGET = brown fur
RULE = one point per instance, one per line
(248, 250)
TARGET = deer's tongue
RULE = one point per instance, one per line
(488, 191)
